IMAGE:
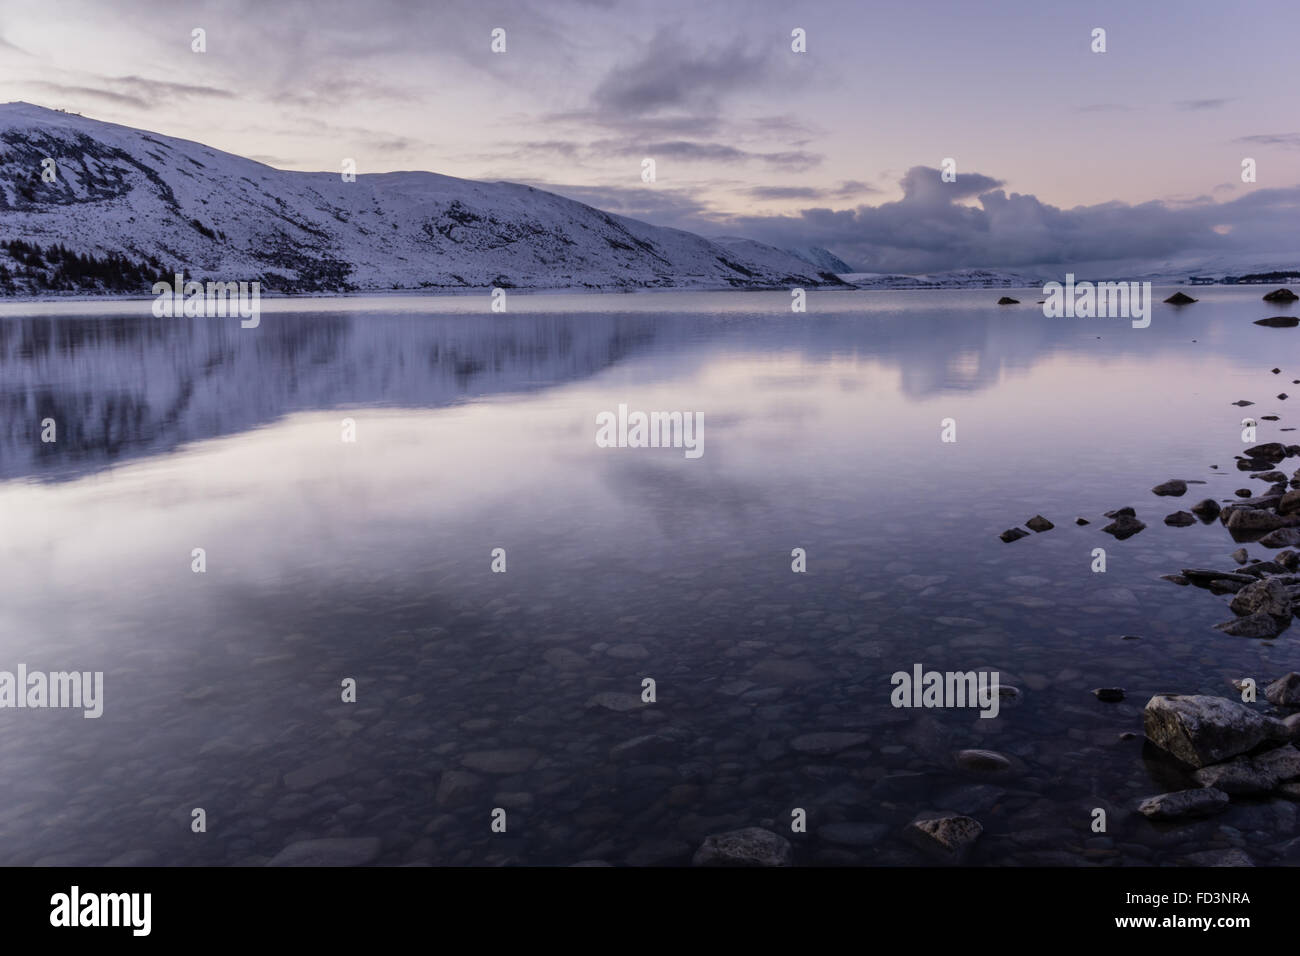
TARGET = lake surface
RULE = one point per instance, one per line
(372, 560)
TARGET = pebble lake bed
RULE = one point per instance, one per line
(1119, 687)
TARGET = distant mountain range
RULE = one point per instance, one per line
(1203, 273)
(956, 279)
(127, 207)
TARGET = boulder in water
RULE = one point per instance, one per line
(752, 846)
(1281, 295)
(1201, 730)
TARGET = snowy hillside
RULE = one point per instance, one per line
(133, 202)
(822, 260)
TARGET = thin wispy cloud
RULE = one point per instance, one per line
(135, 91)
(792, 160)
(11, 48)
(1285, 140)
(681, 151)
(845, 190)
(673, 74)
(65, 91)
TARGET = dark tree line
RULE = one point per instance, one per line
(58, 268)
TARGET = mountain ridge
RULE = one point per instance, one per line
(162, 205)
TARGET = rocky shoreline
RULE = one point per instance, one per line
(1221, 748)
(1224, 752)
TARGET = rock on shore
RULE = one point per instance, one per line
(948, 835)
(1285, 691)
(751, 846)
(1183, 804)
(1201, 730)
(338, 851)
(1124, 525)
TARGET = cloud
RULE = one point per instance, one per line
(677, 208)
(671, 75)
(160, 89)
(682, 149)
(923, 186)
(1202, 104)
(931, 229)
(107, 96)
(785, 192)
(794, 131)
(395, 144)
(1286, 140)
(689, 151)
(853, 186)
(972, 223)
(7, 47)
(550, 147)
(134, 91)
(279, 162)
(844, 190)
(794, 160)
(677, 125)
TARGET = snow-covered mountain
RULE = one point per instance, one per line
(131, 202)
(823, 260)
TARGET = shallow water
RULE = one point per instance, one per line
(370, 560)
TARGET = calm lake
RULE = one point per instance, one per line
(371, 559)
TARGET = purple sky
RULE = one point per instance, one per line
(1063, 155)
